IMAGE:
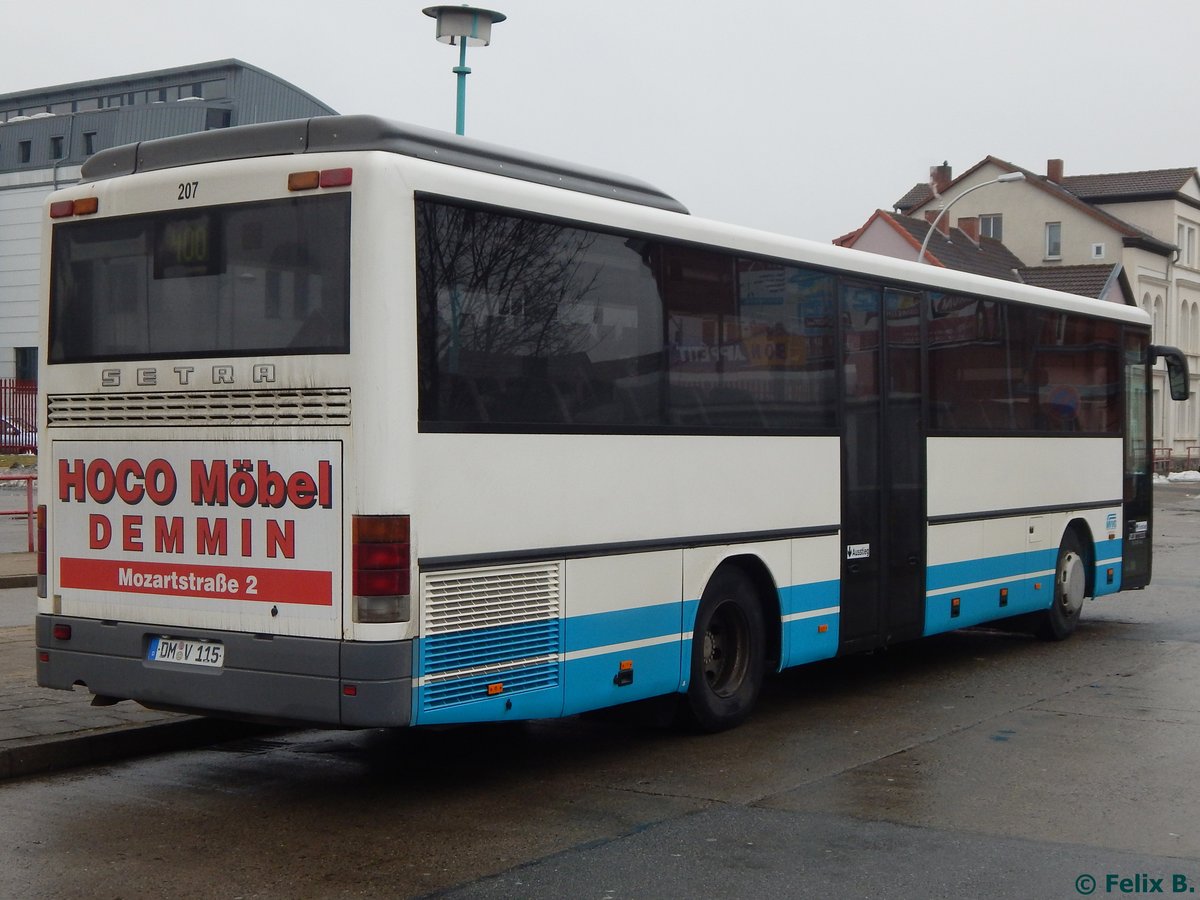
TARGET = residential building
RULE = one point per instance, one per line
(1147, 223)
(964, 247)
(47, 133)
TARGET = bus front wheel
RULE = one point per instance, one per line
(727, 653)
(1070, 588)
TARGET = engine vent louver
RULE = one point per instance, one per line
(318, 406)
(490, 626)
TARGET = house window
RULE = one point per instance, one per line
(56, 147)
(992, 226)
(25, 151)
(1186, 235)
(89, 142)
(1054, 240)
(26, 363)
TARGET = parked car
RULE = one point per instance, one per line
(17, 435)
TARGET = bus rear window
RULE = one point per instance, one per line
(249, 279)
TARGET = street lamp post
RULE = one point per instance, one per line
(463, 25)
(1006, 178)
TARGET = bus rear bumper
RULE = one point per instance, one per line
(276, 678)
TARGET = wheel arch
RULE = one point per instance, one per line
(1083, 533)
(759, 574)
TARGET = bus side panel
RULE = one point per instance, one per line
(990, 475)
(623, 629)
(811, 606)
(980, 571)
(998, 565)
(966, 587)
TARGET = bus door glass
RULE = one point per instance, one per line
(883, 492)
(1135, 562)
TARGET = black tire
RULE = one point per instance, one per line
(727, 653)
(1070, 589)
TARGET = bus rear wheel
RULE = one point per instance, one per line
(727, 653)
(1070, 588)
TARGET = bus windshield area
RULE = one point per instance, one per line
(253, 278)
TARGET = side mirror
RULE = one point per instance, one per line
(1177, 369)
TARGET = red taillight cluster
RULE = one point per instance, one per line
(382, 569)
(381, 556)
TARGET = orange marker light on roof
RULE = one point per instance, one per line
(304, 181)
(85, 206)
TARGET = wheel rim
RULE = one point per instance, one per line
(1072, 582)
(726, 649)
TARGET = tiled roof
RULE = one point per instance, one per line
(919, 194)
(1087, 281)
(957, 251)
(1131, 234)
(1156, 183)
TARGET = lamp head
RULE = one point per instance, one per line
(467, 23)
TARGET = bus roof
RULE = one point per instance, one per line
(338, 133)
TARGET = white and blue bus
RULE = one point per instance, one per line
(358, 424)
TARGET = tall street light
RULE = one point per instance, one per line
(1006, 178)
(463, 25)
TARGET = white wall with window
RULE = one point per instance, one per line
(1054, 240)
(1187, 235)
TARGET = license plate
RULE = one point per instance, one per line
(189, 653)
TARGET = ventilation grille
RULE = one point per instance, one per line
(329, 406)
(482, 628)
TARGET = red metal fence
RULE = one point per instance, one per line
(18, 416)
(8, 498)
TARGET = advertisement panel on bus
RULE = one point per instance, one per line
(182, 525)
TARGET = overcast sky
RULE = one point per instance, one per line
(795, 116)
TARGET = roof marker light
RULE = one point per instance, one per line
(336, 177)
(304, 181)
(85, 206)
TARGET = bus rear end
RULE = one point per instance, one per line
(206, 542)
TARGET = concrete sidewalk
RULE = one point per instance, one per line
(42, 729)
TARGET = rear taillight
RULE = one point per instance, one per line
(382, 569)
(41, 550)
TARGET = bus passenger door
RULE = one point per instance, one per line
(883, 470)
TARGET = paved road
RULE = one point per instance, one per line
(17, 606)
(977, 764)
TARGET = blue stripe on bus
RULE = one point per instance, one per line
(803, 639)
(597, 644)
(622, 626)
(1028, 578)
